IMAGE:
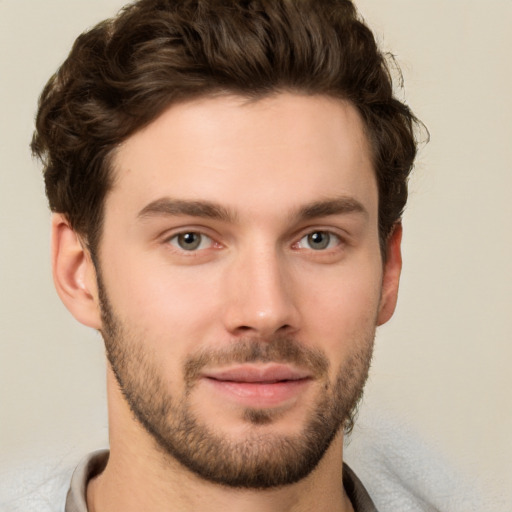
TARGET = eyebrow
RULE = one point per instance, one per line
(175, 207)
(332, 206)
(210, 210)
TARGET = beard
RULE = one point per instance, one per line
(262, 459)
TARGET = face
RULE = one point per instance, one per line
(241, 282)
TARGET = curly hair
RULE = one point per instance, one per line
(123, 73)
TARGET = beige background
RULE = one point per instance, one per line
(443, 365)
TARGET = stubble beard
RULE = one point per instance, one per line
(262, 459)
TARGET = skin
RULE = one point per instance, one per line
(254, 276)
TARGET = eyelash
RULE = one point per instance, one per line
(193, 250)
(174, 241)
(330, 238)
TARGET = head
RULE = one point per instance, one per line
(230, 273)
(126, 71)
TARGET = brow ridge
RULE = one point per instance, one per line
(176, 207)
(211, 210)
(331, 206)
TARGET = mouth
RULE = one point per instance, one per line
(268, 373)
(258, 386)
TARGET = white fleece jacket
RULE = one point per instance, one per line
(400, 472)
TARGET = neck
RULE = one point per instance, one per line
(139, 476)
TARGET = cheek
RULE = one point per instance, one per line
(158, 298)
(345, 307)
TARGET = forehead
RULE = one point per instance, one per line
(271, 154)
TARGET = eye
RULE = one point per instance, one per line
(191, 241)
(319, 241)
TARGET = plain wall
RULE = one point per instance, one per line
(442, 365)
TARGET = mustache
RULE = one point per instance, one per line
(277, 349)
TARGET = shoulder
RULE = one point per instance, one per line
(401, 471)
(34, 488)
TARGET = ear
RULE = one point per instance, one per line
(391, 275)
(74, 274)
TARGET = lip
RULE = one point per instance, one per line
(259, 386)
(268, 373)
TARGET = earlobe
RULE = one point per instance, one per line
(74, 274)
(391, 275)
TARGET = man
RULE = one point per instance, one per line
(227, 181)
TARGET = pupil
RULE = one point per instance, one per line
(318, 240)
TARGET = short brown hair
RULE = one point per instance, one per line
(124, 72)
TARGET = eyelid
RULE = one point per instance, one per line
(204, 240)
(171, 234)
(332, 235)
(338, 233)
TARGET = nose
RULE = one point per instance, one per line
(260, 298)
